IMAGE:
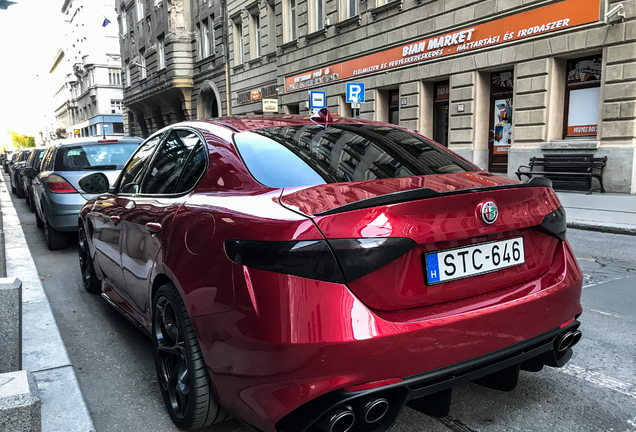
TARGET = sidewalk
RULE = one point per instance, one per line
(43, 350)
(613, 213)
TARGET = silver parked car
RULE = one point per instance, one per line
(56, 192)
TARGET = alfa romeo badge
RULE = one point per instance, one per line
(489, 212)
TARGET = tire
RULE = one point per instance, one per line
(181, 370)
(13, 189)
(32, 205)
(91, 283)
(54, 239)
(20, 192)
(27, 199)
(38, 221)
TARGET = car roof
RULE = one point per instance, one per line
(243, 123)
(98, 141)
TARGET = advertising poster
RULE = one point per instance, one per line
(503, 126)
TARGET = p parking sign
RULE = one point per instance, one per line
(355, 92)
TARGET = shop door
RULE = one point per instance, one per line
(501, 93)
(440, 113)
(394, 107)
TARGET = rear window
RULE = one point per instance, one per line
(309, 155)
(93, 157)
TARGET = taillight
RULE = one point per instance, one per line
(58, 184)
(556, 223)
(338, 260)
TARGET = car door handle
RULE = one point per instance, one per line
(115, 219)
(153, 227)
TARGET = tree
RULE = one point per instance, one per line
(20, 141)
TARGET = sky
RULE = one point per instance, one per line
(30, 35)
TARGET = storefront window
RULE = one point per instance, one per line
(582, 96)
(440, 113)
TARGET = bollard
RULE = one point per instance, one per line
(10, 325)
(20, 407)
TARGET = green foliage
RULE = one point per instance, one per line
(20, 141)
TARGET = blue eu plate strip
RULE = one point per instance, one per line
(432, 268)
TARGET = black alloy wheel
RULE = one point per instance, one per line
(91, 283)
(181, 370)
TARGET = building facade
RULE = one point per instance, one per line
(173, 59)
(496, 81)
(88, 97)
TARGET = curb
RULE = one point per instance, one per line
(43, 351)
(612, 229)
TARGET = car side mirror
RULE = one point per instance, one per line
(95, 183)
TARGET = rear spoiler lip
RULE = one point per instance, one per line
(423, 193)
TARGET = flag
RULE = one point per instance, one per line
(106, 22)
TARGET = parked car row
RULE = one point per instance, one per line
(319, 274)
(47, 177)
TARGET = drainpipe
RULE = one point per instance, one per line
(226, 50)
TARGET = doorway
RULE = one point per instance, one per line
(501, 104)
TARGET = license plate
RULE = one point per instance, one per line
(451, 264)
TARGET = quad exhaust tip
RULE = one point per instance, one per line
(568, 340)
(339, 421)
(375, 410)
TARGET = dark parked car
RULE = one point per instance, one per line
(321, 274)
(56, 194)
(9, 161)
(29, 171)
(15, 172)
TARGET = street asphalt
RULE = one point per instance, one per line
(44, 353)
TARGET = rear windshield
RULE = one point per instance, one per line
(93, 157)
(310, 155)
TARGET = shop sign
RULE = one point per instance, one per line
(244, 97)
(270, 105)
(76, 132)
(269, 91)
(256, 95)
(442, 92)
(540, 21)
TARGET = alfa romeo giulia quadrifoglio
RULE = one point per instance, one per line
(322, 274)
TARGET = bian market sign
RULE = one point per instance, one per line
(535, 22)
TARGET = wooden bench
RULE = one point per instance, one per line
(567, 171)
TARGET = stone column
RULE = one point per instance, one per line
(530, 111)
(10, 325)
(617, 129)
(20, 407)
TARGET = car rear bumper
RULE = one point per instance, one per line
(62, 210)
(291, 346)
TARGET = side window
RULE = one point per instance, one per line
(46, 161)
(132, 174)
(175, 160)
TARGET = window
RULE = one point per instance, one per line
(114, 77)
(115, 107)
(86, 157)
(127, 74)
(352, 8)
(205, 38)
(199, 42)
(582, 96)
(255, 35)
(168, 174)
(142, 64)
(118, 128)
(289, 20)
(238, 43)
(162, 52)
(130, 180)
(317, 15)
(92, 77)
(271, 28)
(291, 156)
(124, 23)
(140, 10)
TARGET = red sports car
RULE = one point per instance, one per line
(319, 274)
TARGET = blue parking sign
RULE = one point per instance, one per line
(355, 92)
